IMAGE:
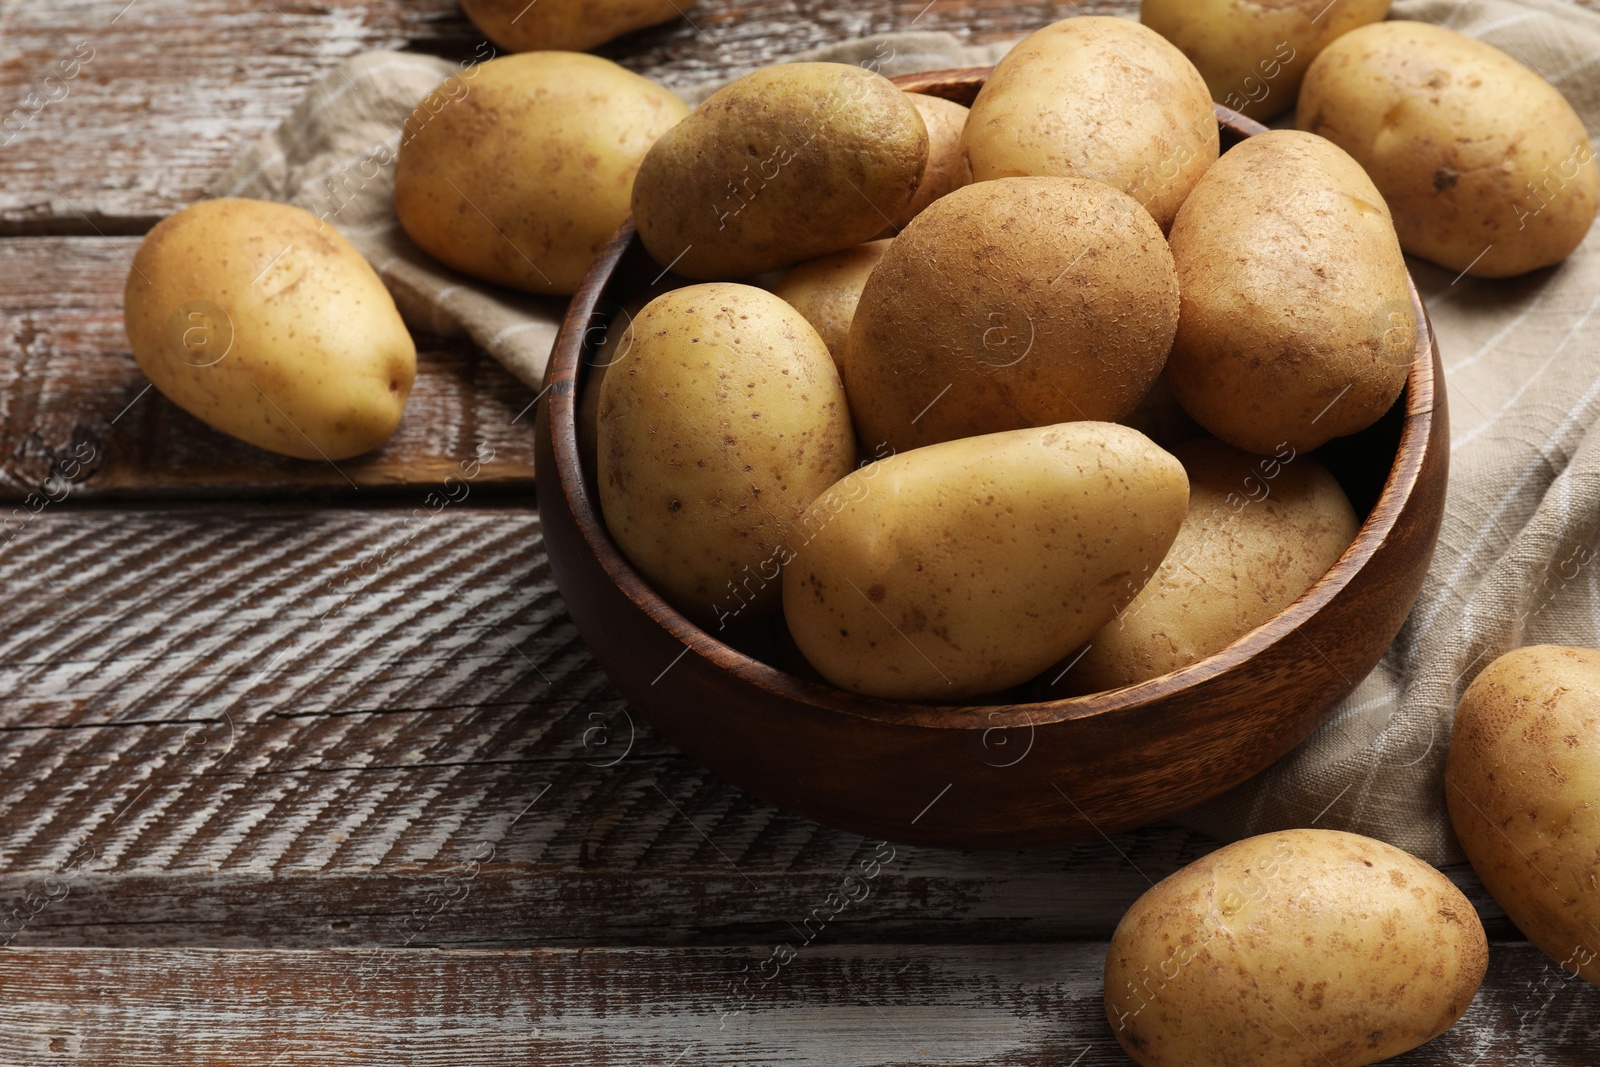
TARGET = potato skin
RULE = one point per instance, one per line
(1044, 111)
(263, 322)
(826, 289)
(567, 25)
(785, 164)
(1523, 784)
(1253, 55)
(718, 427)
(1259, 532)
(970, 566)
(1485, 165)
(946, 169)
(1296, 323)
(1302, 948)
(1011, 303)
(525, 171)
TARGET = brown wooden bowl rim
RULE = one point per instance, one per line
(1375, 529)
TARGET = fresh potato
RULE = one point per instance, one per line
(825, 290)
(789, 163)
(1259, 532)
(1303, 948)
(263, 322)
(522, 174)
(966, 567)
(1011, 303)
(1523, 785)
(573, 25)
(1486, 167)
(1296, 323)
(718, 430)
(1096, 97)
(1253, 55)
(946, 170)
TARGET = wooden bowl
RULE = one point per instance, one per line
(1004, 775)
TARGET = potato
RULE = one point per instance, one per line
(1303, 948)
(1253, 55)
(825, 290)
(963, 568)
(1096, 97)
(789, 163)
(574, 25)
(718, 429)
(524, 172)
(946, 169)
(1486, 167)
(1523, 785)
(1296, 324)
(1260, 530)
(1011, 303)
(263, 322)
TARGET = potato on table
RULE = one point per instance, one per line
(1296, 324)
(526, 169)
(1486, 167)
(967, 567)
(1523, 784)
(791, 162)
(1259, 532)
(716, 432)
(1302, 948)
(263, 322)
(1101, 98)
(1253, 55)
(1011, 303)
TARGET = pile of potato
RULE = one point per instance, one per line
(959, 395)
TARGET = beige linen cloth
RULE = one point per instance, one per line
(1518, 560)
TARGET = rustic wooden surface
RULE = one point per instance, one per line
(295, 769)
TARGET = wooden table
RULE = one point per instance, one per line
(263, 801)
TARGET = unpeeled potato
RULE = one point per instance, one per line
(1523, 784)
(826, 290)
(1302, 948)
(1101, 98)
(1487, 168)
(1259, 531)
(522, 176)
(1253, 55)
(263, 322)
(1011, 303)
(967, 567)
(1296, 323)
(717, 429)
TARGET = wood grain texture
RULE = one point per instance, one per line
(935, 1006)
(69, 388)
(282, 728)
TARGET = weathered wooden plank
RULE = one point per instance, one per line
(274, 727)
(113, 115)
(74, 407)
(116, 113)
(1017, 1005)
